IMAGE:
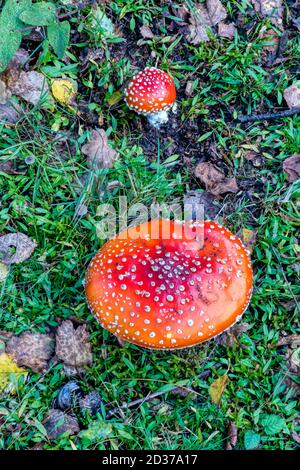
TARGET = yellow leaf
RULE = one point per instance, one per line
(115, 98)
(64, 90)
(10, 373)
(248, 238)
(217, 388)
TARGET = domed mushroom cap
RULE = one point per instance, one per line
(150, 91)
(169, 292)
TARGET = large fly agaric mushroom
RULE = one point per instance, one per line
(169, 292)
(151, 93)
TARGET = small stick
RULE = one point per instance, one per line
(135, 403)
(261, 117)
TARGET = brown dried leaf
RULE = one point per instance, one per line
(232, 436)
(291, 166)
(203, 18)
(293, 340)
(32, 350)
(272, 9)
(57, 423)
(72, 345)
(217, 388)
(199, 25)
(226, 30)
(10, 112)
(23, 245)
(5, 94)
(292, 95)
(98, 151)
(248, 237)
(146, 32)
(31, 86)
(214, 180)
(216, 11)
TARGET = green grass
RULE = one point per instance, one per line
(41, 202)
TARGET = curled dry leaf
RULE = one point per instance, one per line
(292, 95)
(291, 166)
(232, 436)
(214, 180)
(32, 350)
(203, 18)
(23, 245)
(293, 340)
(99, 153)
(72, 345)
(31, 86)
(226, 30)
(58, 423)
(217, 388)
(10, 373)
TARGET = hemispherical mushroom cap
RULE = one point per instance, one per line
(169, 292)
(150, 91)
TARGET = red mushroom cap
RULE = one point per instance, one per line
(150, 91)
(172, 292)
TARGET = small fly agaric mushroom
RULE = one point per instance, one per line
(151, 93)
(169, 292)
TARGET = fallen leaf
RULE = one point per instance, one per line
(22, 244)
(31, 350)
(232, 436)
(291, 166)
(199, 25)
(217, 388)
(146, 32)
(81, 210)
(58, 423)
(100, 22)
(68, 396)
(10, 112)
(214, 180)
(203, 18)
(248, 238)
(226, 30)
(216, 11)
(5, 94)
(64, 90)
(189, 88)
(97, 431)
(293, 340)
(3, 272)
(10, 373)
(292, 95)
(184, 392)
(99, 153)
(72, 345)
(31, 86)
(272, 9)
(91, 402)
(230, 338)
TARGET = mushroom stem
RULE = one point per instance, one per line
(157, 119)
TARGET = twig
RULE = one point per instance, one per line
(135, 403)
(260, 117)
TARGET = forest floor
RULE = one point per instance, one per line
(50, 193)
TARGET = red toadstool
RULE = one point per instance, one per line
(169, 292)
(151, 93)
